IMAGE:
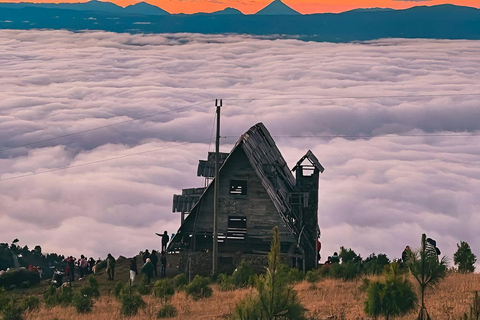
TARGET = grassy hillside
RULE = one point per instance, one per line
(326, 299)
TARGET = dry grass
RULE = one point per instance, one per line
(327, 299)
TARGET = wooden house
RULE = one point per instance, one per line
(257, 191)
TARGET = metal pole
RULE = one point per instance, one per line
(218, 104)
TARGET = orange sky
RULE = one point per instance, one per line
(252, 6)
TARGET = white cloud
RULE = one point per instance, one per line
(377, 194)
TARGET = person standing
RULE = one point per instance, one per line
(71, 268)
(110, 267)
(147, 269)
(163, 261)
(82, 265)
(165, 240)
(146, 255)
(133, 270)
(154, 260)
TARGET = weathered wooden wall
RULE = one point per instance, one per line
(256, 206)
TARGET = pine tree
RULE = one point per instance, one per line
(427, 270)
(464, 258)
(276, 298)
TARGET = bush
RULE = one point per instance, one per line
(225, 282)
(374, 264)
(130, 302)
(318, 274)
(242, 274)
(4, 300)
(83, 303)
(144, 286)
(164, 290)
(167, 311)
(12, 311)
(62, 296)
(90, 290)
(346, 271)
(180, 281)
(198, 288)
(30, 303)
(118, 289)
(291, 274)
(275, 297)
(19, 278)
(393, 298)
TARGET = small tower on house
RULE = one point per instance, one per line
(305, 199)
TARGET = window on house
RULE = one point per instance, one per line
(238, 187)
(237, 228)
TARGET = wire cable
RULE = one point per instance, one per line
(100, 161)
(285, 97)
(103, 127)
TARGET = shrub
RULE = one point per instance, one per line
(30, 303)
(275, 298)
(242, 274)
(315, 275)
(12, 311)
(374, 264)
(90, 290)
(19, 278)
(4, 300)
(130, 302)
(180, 281)
(291, 274)
(392, 298)
(346, 271)
(62, 296)
(164, 290)
(83, 303)
(167, 311)
(144, 286)
(199, 288)
(225, 282)
(118, 289)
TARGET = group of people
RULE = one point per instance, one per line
(83, 266)
(150, 265)
(332, 259)
(150, 261)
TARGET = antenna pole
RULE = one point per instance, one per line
(218, 104)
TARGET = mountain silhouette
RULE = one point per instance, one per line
(227, 11)
(277, 7)
(434, 22)
(145, 8)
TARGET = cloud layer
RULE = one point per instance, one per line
(396, 124)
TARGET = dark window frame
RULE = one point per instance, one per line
(238, 187)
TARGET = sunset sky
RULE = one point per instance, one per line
(303, 6)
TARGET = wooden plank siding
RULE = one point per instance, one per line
(256, 206)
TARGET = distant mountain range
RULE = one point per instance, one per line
(277, 7)
(276, 20)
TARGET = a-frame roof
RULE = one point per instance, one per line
(271, 168)
(313, 160)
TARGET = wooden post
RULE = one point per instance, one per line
(218, 104)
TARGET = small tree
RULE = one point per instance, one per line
(275, 298)
(464, 258)
(164, 290)
(130, 301)
(427, 270)
(393, 297)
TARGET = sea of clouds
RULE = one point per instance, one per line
(396, 124)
